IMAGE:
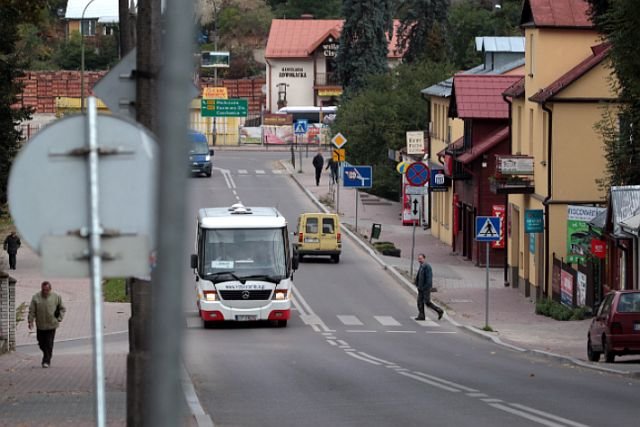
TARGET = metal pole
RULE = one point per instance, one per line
(82, 58)
(96, 263)
(164, 407)
(357, 193)
(338, 191)
(413, 248)
(486, 314)
(299, 154)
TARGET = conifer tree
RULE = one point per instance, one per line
(364, 42)
(421, 33)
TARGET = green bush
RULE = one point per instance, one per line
(558, 311)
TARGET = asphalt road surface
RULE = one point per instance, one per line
(352, 355)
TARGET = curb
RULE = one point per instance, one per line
(473, 330)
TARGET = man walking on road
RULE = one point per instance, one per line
(11, 245)
(318, 162)
(48, 311)
(424, 283)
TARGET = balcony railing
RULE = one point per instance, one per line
(327, 79)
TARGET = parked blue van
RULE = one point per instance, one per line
(200, 155)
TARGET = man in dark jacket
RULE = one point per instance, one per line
(424, 283)
(47, 310)
(11, 245)
(318, 162)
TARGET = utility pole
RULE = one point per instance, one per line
(127, 31)
(148, 56)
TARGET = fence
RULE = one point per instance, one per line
(7, 313)
(576, 287)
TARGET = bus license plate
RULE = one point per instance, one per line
(311, 240)
(636, 326)
(246, 317)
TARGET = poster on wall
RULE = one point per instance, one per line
(581, 295)
(277, 129)
(578, 237)
(498, 210)
(566, 288)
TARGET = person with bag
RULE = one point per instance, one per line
(47, 309)
(11, 245)
(424, 283)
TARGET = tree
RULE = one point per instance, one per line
(420, 34)
(292, 9)
(474, 18)
(12, 64)
(618, 21)
(364, 42)
(377, 118)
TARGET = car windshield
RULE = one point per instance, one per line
(245, 252)
(199, 147)
(629, 303)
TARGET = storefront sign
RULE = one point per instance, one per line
(498, 210)
(329, 92)
(292, 72)
(578, 237)
(330, 47)
(533, 221)
(277, 119)
(599, 248)
(415, 142)
(514, 165)
(214, 93)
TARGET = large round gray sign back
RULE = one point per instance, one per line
(49, 188)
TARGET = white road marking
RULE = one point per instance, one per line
(242, 171)
(259, 172)
(349, 320)
(360, 330)
(343, 342)
(387, 321)
(202, 418)
(426, 381)
(447, 382)
(364, 359)
(278, 171)
(548, 415)
(402, 332)
(332, 342)
(525, 415)
(477, 395)
(377, 359)
(426, 323)
(440, 332)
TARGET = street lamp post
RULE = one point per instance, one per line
(82, 57)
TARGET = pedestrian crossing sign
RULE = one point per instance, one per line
(300, 127)
(487, 228)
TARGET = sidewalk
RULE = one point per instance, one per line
(461, 286)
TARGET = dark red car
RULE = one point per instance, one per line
(615, 329)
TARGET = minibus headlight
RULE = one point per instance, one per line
(207, 158)
(210, 295)
(281, 294)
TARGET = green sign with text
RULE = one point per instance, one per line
(224, 108)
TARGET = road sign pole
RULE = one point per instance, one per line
(413, 248)
(338, 190)
(299, 154)
(486, 314)
(96, 263)
(357, 193)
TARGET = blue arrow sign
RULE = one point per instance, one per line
(300, 127)
(357, 176)
(487, 228)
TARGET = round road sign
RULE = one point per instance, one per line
(417, 174)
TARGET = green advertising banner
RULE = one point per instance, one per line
(578, 237)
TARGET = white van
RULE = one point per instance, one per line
(243, 265)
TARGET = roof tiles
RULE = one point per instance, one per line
(298, 38)
(557, 13)
(480, 96)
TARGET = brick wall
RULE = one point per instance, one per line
(7, 313)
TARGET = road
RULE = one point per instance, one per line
(352, 355)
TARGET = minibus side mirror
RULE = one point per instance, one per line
(211, 151)
(194, 261)
(294, 261)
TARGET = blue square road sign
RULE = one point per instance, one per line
(487, 228)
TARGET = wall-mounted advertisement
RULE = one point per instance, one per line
(498, 210)
(566, 288)
(277, 129)
(578, 236)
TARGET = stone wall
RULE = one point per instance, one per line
(7, 313)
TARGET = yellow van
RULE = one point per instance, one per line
(319, 234)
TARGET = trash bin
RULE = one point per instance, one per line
(375, 231)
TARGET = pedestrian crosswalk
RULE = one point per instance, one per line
(247, 172)
(384, 321)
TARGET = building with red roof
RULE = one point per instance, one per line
(300, 57)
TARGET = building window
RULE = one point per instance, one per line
(109, 31)
(88, 27)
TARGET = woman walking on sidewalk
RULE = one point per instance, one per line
(48, 311)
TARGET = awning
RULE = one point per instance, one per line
(631, 225)
(455, 145)
(599, 221)
(625, 203)
(482, 146)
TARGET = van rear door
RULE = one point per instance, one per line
(328, 237)
(311, 238)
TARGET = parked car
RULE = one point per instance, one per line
(615, 329)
